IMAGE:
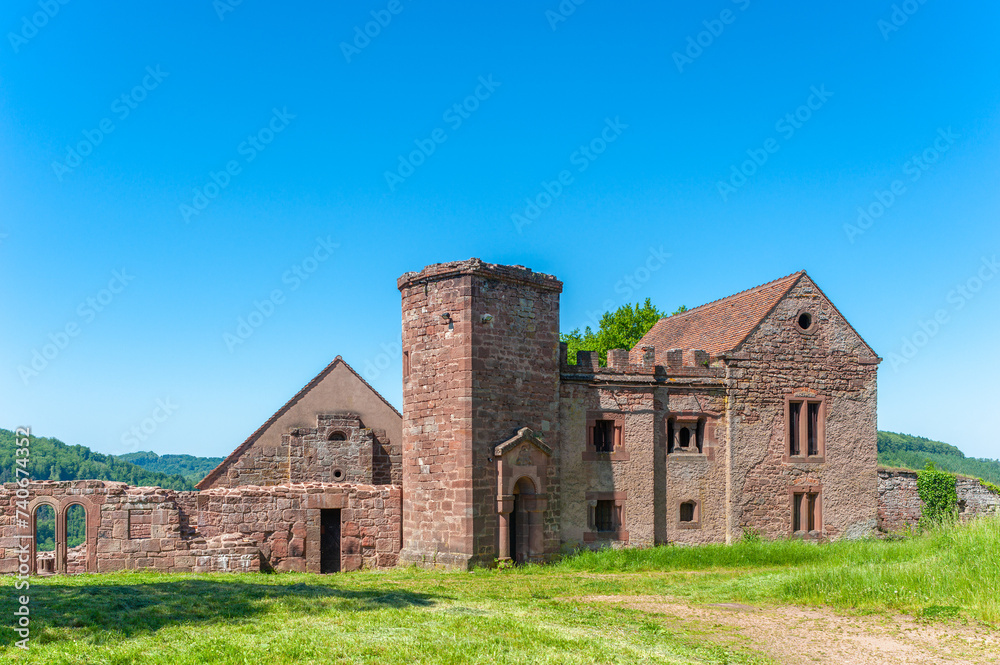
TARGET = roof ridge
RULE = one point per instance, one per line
(796, 274)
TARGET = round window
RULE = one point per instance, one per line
(805, 320)
(338, 474)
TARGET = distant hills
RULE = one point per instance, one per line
(191, 468)
(51, 459)
(913, 452)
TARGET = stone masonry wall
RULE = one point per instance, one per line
(900, 506)
(238, 529)
(827, 361)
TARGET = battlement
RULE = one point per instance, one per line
(641, 361)
(478, 267)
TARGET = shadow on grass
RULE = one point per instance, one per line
(132, 609)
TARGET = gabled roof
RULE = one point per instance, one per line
(720, 325)
(214, 473)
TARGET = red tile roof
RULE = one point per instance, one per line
(720, 325)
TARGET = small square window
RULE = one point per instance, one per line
(688, 511)
(604, 516)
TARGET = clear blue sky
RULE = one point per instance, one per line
(309, 128)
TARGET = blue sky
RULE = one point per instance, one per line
(166, 167)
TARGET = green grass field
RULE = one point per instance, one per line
(535, 614)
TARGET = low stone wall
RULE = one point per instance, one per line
(900, 507)
(226, 529)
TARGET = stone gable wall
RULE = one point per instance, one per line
(365, 456)
(829, 361)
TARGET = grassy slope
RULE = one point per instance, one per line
(51, 459)
(913, 452)
(533, 614)
(190, 467)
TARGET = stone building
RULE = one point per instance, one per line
(753, 412)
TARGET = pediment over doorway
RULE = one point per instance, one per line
(524, 435)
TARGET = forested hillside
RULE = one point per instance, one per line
(190, 467)
(51, 459)
(913, 452)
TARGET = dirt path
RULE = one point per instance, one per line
(800, 636)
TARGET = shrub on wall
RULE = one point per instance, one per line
(990, 486)
(937, 490)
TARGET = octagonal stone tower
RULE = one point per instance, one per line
(480, 362)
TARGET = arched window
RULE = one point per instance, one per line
(45, 539)
(76, 538)
(338, 436)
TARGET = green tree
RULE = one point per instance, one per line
(620, 329)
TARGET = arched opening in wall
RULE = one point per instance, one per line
(337, 436)
(685, 437)
(45, 539)
(671, 427)
(700, 435)
(76, 539)
(521, 521)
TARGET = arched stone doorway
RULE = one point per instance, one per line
(522, 463)
(521, 524)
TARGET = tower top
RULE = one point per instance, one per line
(516, 274)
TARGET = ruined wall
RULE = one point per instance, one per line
(827, 361)
(241, 529)
(480, 345)
(900, 506)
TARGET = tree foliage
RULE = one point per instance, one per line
(621, 329)
(190, 467)
(51, 459)
(913, 452)
(938, 491)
